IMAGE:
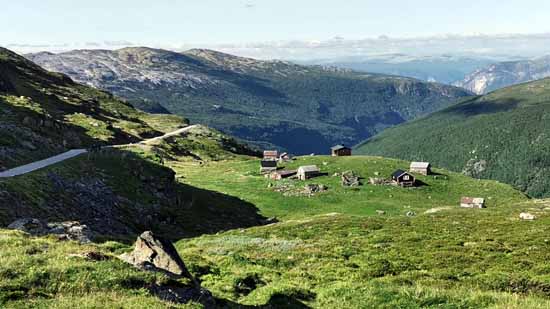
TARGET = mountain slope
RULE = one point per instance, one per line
(504, 135)
(301, 108)
(506, 74)
(117, 192)
(44, 113)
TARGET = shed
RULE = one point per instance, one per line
(423, 168)
(271, 155)
(267, 166)
(472, 202)
(402, 178)
(284, 157)
(278, 175)
(340, 151)
(308, 171)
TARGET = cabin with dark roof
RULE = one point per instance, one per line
(403, 179)
(268, 166)
(340, 151)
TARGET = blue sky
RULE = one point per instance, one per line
(276, 28)
(236, 21)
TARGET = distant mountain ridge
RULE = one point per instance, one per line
(504, 74)
(446, 69)
(270, 103)
(504, 135)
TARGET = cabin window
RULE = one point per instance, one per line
(406, 177)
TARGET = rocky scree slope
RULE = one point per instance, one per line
(265, 102)
(506, 74)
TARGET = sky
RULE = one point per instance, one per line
(30, 25)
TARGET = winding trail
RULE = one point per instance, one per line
(31, 167)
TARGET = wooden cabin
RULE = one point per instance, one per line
(423, 168)
(472, 202)
(283, 174)
(308, 171)
(268, 166)
(403, 179)
(271, 155)
(340, 151)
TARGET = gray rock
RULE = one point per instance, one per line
(153, 253)
(30, 225)
(71, 230)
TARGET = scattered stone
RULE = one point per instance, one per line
(314, 188)
(410, 214)
(527, 216)
(350, 179)
(70, 230)
(30, 225)
(91, 255)
(380, 181)
(183, 295)
(380, 212)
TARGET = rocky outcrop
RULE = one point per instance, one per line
(505, 74)
(70, 230)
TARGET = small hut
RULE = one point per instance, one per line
(268, 166)
(278, 175)
(423, 168)
(308, 171)
(403, 179)
(284, 157)
(472, 202)
(271, 155)
(340, 151)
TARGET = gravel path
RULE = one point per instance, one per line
(31, 167)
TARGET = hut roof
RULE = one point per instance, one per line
(420, 164)
(309, 168)
(398, 173)
(271, 153)
(286, 172)
(472, 200)
(339, 147)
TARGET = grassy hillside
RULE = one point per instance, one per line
(264, 102)
(503, 135)
(118, 192)
(329, 250)
(44, 113)
(242, 179)
(333, 250)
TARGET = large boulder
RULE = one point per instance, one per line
(156, 254)
(151, 251)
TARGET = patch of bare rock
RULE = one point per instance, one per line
(152, 253)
